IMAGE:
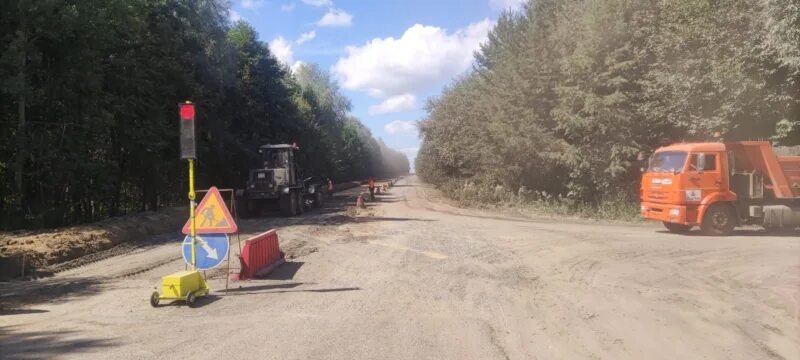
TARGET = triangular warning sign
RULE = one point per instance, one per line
(212, 216)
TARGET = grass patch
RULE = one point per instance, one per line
(617, 208)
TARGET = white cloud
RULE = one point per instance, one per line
(287, 7)
(506, 4)
(318, 2)
(252, 4)
(296, 66)
(234, 16)
(336, 17)
(306, 37)
(397, 127)
(394, 104)
(282, 50)
(422, 57)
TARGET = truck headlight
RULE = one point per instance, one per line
(693, 195)
(674, 212)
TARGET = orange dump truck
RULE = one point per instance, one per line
(719, 186)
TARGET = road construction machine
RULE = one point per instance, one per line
(277, 184)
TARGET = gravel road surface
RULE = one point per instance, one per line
(412, 277)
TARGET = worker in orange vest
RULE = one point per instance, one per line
(371, 186)
(330, 187)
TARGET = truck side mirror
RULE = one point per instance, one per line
(701, 162)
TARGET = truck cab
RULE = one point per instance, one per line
(719, 186)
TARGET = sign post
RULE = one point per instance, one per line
(192, 197)
(186, 285)
(188, 152)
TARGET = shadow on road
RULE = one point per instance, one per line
(200, 302)
(346, 219)
(282, 288)
(389, 201)
(740, 232)
(260, 288)
(45, 344)
(13, 294)
(286, 271)
(330, 290)
(21, 311)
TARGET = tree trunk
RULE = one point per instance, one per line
(21, 151)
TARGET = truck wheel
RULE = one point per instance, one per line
(247, 209)
(318, 199)
(242, 207)
(301, 203)
(288, 204)
(719, 220)
(677, 228)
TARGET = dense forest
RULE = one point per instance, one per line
(566, 94)
(89, 108)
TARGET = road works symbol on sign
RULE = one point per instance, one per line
(211, 250)
(212, 216)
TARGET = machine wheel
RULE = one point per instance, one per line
(288, 204)
(318, 199)
(191, 300)
(677, 228)
(301, 203)
(719, 220)
(154, 299)
(244, 207)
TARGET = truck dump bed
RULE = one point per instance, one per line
(783, 172)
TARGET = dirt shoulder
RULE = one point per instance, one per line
(37, 253)
(41, 250)
(433, 199)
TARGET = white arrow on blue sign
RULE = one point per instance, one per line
(210, 250)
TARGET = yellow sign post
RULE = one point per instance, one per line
(185, 285)
(192, 197)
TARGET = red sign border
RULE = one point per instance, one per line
(232, 228)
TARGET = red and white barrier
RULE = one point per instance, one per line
(260, 255)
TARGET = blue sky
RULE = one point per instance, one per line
(388, 56)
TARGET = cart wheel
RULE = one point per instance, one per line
(191, 300)
(154, 299)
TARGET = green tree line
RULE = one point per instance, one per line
(88, 112)
(565, 94)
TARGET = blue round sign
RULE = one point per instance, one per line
(210, 250)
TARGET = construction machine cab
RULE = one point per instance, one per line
(280, 161)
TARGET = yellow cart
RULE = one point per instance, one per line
(183, 285)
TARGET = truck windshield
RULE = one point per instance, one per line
(668, 161)
(274, 159)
